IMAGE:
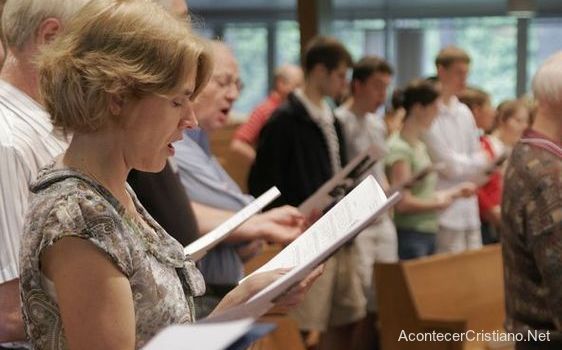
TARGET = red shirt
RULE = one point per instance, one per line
(490, 195)
(250, 131)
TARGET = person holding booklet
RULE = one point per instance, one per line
(300, 148)
(97, 272)
(416, 214)
(214, 193)
(362, 128)
(452, 140)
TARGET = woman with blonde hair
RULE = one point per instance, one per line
(96, 270)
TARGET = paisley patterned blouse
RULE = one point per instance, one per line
(67, 203)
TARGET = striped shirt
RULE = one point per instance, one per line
(27, 142)
(250, 130)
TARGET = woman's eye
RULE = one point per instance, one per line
(177, 104)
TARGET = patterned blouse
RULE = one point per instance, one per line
(532, 239)
(67, 203)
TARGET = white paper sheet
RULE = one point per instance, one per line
(204, 336)
(339, 225)
(200, 247)
(343, 182)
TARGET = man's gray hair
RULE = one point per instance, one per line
(22, 18)
(547, 82)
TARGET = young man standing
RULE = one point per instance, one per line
(362, 128)
(300, 148)
(454, 140)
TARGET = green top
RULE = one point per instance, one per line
(417, 158)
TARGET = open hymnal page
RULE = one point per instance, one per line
(342, 182)
(343, 222)
(200, 247)
(205, 336)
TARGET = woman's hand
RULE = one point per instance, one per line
(256, 283)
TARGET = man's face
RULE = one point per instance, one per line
(454, 77)
(214, 103)
(334, 82)
(372, 92)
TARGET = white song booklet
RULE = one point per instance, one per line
(200, 247)
(339, 225)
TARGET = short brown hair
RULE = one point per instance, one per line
(326, 51)
(451, 54)
(131, 48)
(473, 96)
(368, 66)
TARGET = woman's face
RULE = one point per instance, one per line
(151, 124)
(514, 126)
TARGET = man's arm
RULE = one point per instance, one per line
(280, 225)
(14, 193)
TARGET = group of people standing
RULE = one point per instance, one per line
(106, 112)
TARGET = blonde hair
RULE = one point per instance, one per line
(21, 18)
(127, 48)
(451, 54)
(473, 96)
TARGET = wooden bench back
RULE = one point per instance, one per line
(236, 166)
(448, 292)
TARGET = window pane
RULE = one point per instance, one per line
(361, 37)
(544, 40)
(288, 43)
(491, 43)
(249, 42)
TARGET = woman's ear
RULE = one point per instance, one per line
(116, 103)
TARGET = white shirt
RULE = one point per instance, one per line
(453, 140)
(360, 133)
(27, 143)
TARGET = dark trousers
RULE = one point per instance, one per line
(414, 244)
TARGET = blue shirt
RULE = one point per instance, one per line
(206, 182)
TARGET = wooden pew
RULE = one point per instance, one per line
(287, 335)
(236, 166)
(446, 293)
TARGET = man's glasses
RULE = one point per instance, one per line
(227, 81)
